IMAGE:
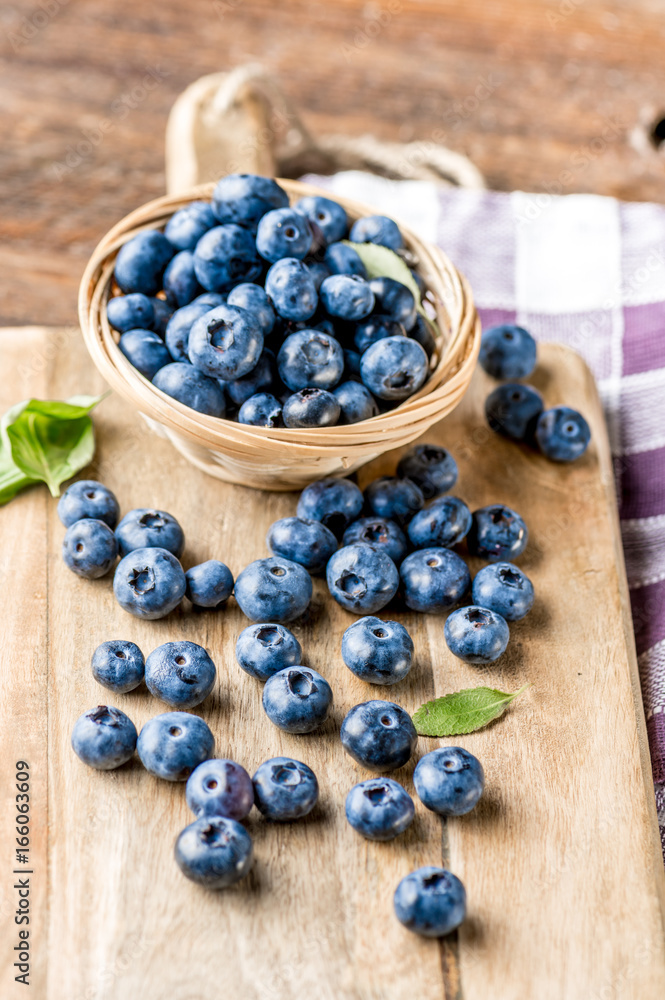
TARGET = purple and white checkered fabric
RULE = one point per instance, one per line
(588, 272)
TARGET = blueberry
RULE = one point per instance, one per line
(262, 650)
(171, 745)
(311, 408)
(179, 326)
(283, 233)
(186, 226)
(430, 901)
(261, 410)
(433, 580)
(443, 524)
(377, 229)
(394, 368)
(144, 528)
(141, 261)
(513, 410)
(379, 735)
(340, 258)
(245, 198)
(118, 665)
(379, 809)
(291, 289)
(362, 578)
(420, 282)
(145, 350)
(149, 583)
(297, 699)
(347, 295)
(262, 378)
(421, 332)
(211, 299)
(431, 468)
(191, 387)
(351, 364)
(180, 673)
(328, 215)
(393, 499)
(507, 352)
(130, 312)
(395, 300)
(88, 498)
(273, 589)
(497, 533)
(373, 329)
(89, 548)
(379, 532)
(255, 300)
(226, 342)
(356, 403)
(285, 789)
(214, 852)
(562, 434)
(220, 788)
(225, 256)
(161, 314)
(310, 358)
(476, 635)
(318, 271)
(302, 540)
(449, 781)
(209, 584)
(180, 282)
(334, 502)
(503, 588)
(377, 651)
(104, 738)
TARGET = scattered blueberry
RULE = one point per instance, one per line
(297, 699)
(273, 589)
(225, 256)
(311, 408)
(220, 788)
(347, 295)
(263, 650)
(507, 352)
(180, 282)
(380, 532)
(334, 502)
(144, 528)
(130, 312)
(356, 403)
(393, 499)
(104, 738)
(145, 350)
(433, 580)
(562, 434)
(291, 289)
(476, 635)
(261, 410)
(430, 901)
(503, 588)
(394, 300)
(214, 852)
(379, 809)
(191, 387)
(89, 548)
(497, 533)
(310, 359)
(302, 540)
(328, 215)
(431, 468)
(513, 410)
(245, 198)
(361, 578)
(186, 226)
(340, 258)
(377, 229)
(141, 261)
(149, 583)
(394, 368)
(449, 781)
(171, 745)
(180, 673)
(284, 232)
(209, 584)
(285, 789)
(118, 665)
(377, 651)
(225, 342)
(379, 735)
(443, 524)
(88, 498)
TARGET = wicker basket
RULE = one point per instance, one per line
(283, 458)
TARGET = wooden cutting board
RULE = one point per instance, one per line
(560, 859)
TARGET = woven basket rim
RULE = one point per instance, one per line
(455, 310)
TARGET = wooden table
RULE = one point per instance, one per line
(541, 94)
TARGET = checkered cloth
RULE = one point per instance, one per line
(589, 272)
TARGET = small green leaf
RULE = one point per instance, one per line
(462, 712)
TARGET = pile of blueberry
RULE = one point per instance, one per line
(517, 410)
(250, 309)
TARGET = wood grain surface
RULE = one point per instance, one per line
(543, 95)
(560, 859)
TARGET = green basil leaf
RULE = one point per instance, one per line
(462, 712)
